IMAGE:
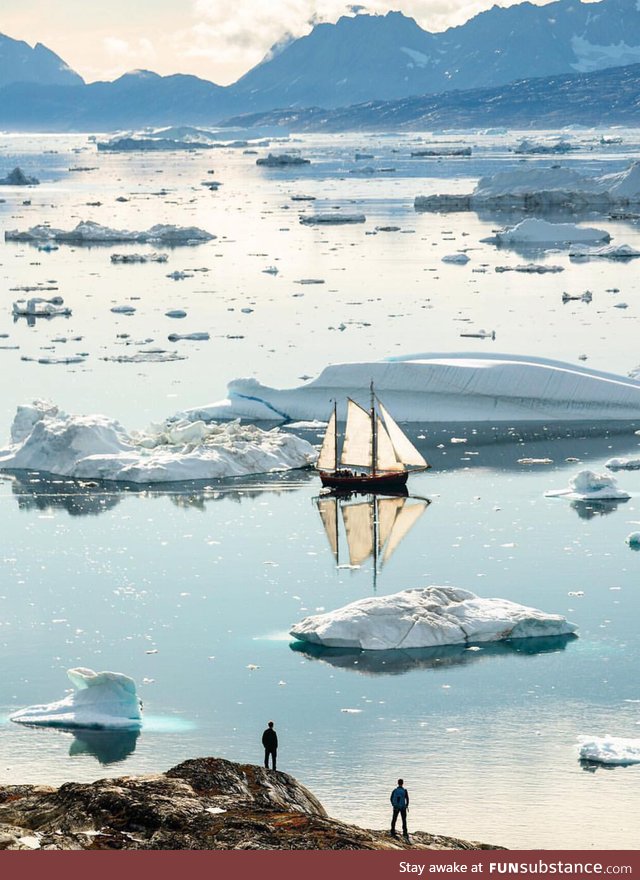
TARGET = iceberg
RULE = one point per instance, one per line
(610, 252)
(281, 160)
(589, 486)
(454, 387)
(139, 258)
(43, 438)
(536, 189)
(537, 232)
(633, 540)
(336, 219)
(89, 232)
(17, 177)
(37, 307)
(623, 464)
(543, 148)
(460, 259)
(427, 617)
(101, 701)
(610, 750)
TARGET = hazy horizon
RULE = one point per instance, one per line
(207, 39)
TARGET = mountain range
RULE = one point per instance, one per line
(360, 58)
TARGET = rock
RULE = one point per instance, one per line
(204, 803)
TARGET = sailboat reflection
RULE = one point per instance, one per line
(107, 746)
(373, 525)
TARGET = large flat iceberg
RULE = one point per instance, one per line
(89, 232)
(610, 750)
(102, 700)
(455, 387)
(532, 189)
(96, 447)
(426, 617)
(535, 232)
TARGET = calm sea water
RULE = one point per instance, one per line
(211, 578)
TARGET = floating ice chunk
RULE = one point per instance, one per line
(623, 464)
(197, 336)
(333, 219)
(123, 310)
(531, 268)
(102, 700)
(589, 486)
(176, 313)
(17, 177)
(281, 160)
(447, 387)
(541, 232)
(610, 750)
(96, 447)
(633, 540)
(609, 252)
(89, 232)
(37, 307)
(544, 147)
(461, 259)
(139, 258)
(178, 275)
(426, 617)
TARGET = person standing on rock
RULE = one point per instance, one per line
(400, 803)
(270, 743)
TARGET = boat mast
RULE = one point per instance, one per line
(375, 543)
(335, 436)
(374, 434)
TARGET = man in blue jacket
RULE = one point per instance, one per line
(400, 803)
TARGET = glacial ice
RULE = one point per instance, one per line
(139, 258)
(335, 219)
(281, 160)
(426, 617)
(532, 189)
(460, 259)
(17, 177)
(37, 307)
(623, 464)
(449, 387)
(633, 540)
(96, 447)
(89, 232)
(540, 232)
(102, 700)
(610, 750)
(589, 486)
(609, 252)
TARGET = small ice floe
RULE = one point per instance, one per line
(351, 711)
(633, 540)
(589, 486)
(535, 461)
(535, 232)
(17, 177)
(458, 259)
(175, 313)
(586, 297)
(559, 145)
(309, 281)
(302, 198)
(37, 307)
(531, 268)
(271, 270)
(139, 258)
(621, 305)
(623, 464)
(480, 334)
(178, 275)
(333, 219)
(101, 701)
(610, 252)
(609, 750)
(123, 310)
(427, 617)
(199, 336)
(150, 356)
(281, 160)
(89, 232)
(43, 438)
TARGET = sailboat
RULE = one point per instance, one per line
(373, 527)
(376, 454)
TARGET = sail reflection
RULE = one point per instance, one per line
(399, 661)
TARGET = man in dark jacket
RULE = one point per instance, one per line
(400, 803)
(270, 743)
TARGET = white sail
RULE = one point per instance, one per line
(403, 524)
(386, 458)
(358, 523)
(388, 510)
(327, 458)
(404, 448)
(328, 509)
(356, 449)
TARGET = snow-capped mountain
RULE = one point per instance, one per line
(20, 63)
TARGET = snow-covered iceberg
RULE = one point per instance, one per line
(623, 464)
(621, 252)
(426, 617)
(589, 486)
(102, 701)
(530, 188)
(450, 387)
(90, 232)
(96, 447)
(535, 232)
(610, 750)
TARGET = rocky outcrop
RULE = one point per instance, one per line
(205, 803)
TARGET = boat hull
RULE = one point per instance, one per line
(393, 482)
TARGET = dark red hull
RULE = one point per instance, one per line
(354, 483)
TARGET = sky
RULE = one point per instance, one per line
(214, 39)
